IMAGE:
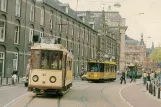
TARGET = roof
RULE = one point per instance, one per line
(71, 13)
(130, 41)
(102, 61)
(56, 47)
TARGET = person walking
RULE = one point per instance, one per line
(123, 78)
(133, 76)
(144, 75)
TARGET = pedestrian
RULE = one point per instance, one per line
(152, 75)
(148, 78)
(28, 68)
(118, 72)
(133, 75)
(123, 78)
(144, 75)
(82, 73)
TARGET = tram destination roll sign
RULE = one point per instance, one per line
(47, 40)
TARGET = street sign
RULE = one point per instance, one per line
(48, 40)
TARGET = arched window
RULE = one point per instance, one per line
(42, 17)
(42, 33)
(32, 12)
(66, 43)
(31, 33)
(17, 32)
(2, 28)
(51, 20)
(18, 7)
(3, 5)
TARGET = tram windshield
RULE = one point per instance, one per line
(47, 59)
(95, 67)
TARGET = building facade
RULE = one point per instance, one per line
(111, 33)
(20, 20)
(135, 53)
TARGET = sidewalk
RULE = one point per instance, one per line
(7, 81)
(137, 95)
(152, 95)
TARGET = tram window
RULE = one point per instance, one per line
(45, 55)
(101, 66)
(35, 59)
(56, 60)
(93, 67)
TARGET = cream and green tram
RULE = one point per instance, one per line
(99, 70)
(51, 69)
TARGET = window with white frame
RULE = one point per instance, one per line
(41, 34)
(60, 23)
(17, 34)
(15, 61)
(42, 16)
(67, 26)
(32, 13)
(72, 28)
(82, 50)
(2, 31)
(18, 8)
(3, 5)
(91, 52)
(66, 43)
(31, 31)
(51, 20)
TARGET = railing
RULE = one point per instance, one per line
(8, 81)
(153, 87)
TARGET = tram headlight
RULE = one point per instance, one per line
(35, 78)
(52, 79)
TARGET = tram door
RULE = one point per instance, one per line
(64, 69)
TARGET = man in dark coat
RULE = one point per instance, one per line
(123, 78)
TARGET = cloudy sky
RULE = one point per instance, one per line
(148, 23)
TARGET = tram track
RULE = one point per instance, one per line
(104, 98)
(29, 102)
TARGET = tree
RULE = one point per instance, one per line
(156, 55)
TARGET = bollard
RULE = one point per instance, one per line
(151, 89)
(154, 91)
(7, 80)
(146, 86)
(1, 81)
(159, 93)
(18, 79)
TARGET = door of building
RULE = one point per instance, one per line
(1, 64)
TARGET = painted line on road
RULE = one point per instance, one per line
(123, 98)
(16, 99)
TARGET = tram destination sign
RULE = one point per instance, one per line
(47, 40)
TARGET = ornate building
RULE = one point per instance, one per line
(135, 53)
(111, 33)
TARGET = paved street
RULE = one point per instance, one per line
(82, 94)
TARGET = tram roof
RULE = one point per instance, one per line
(44, 46)
(102, 61)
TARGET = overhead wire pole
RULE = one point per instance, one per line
(76, 61)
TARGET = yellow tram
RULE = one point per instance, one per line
(101, 70)
(51, 69)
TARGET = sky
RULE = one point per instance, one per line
(148, 23)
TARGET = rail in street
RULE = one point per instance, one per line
(83, 94)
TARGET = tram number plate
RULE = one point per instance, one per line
(43, 74)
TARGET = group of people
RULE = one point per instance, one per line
(132, 74)
(148, 76)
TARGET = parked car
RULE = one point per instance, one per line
(25, 81)
(84, 77)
